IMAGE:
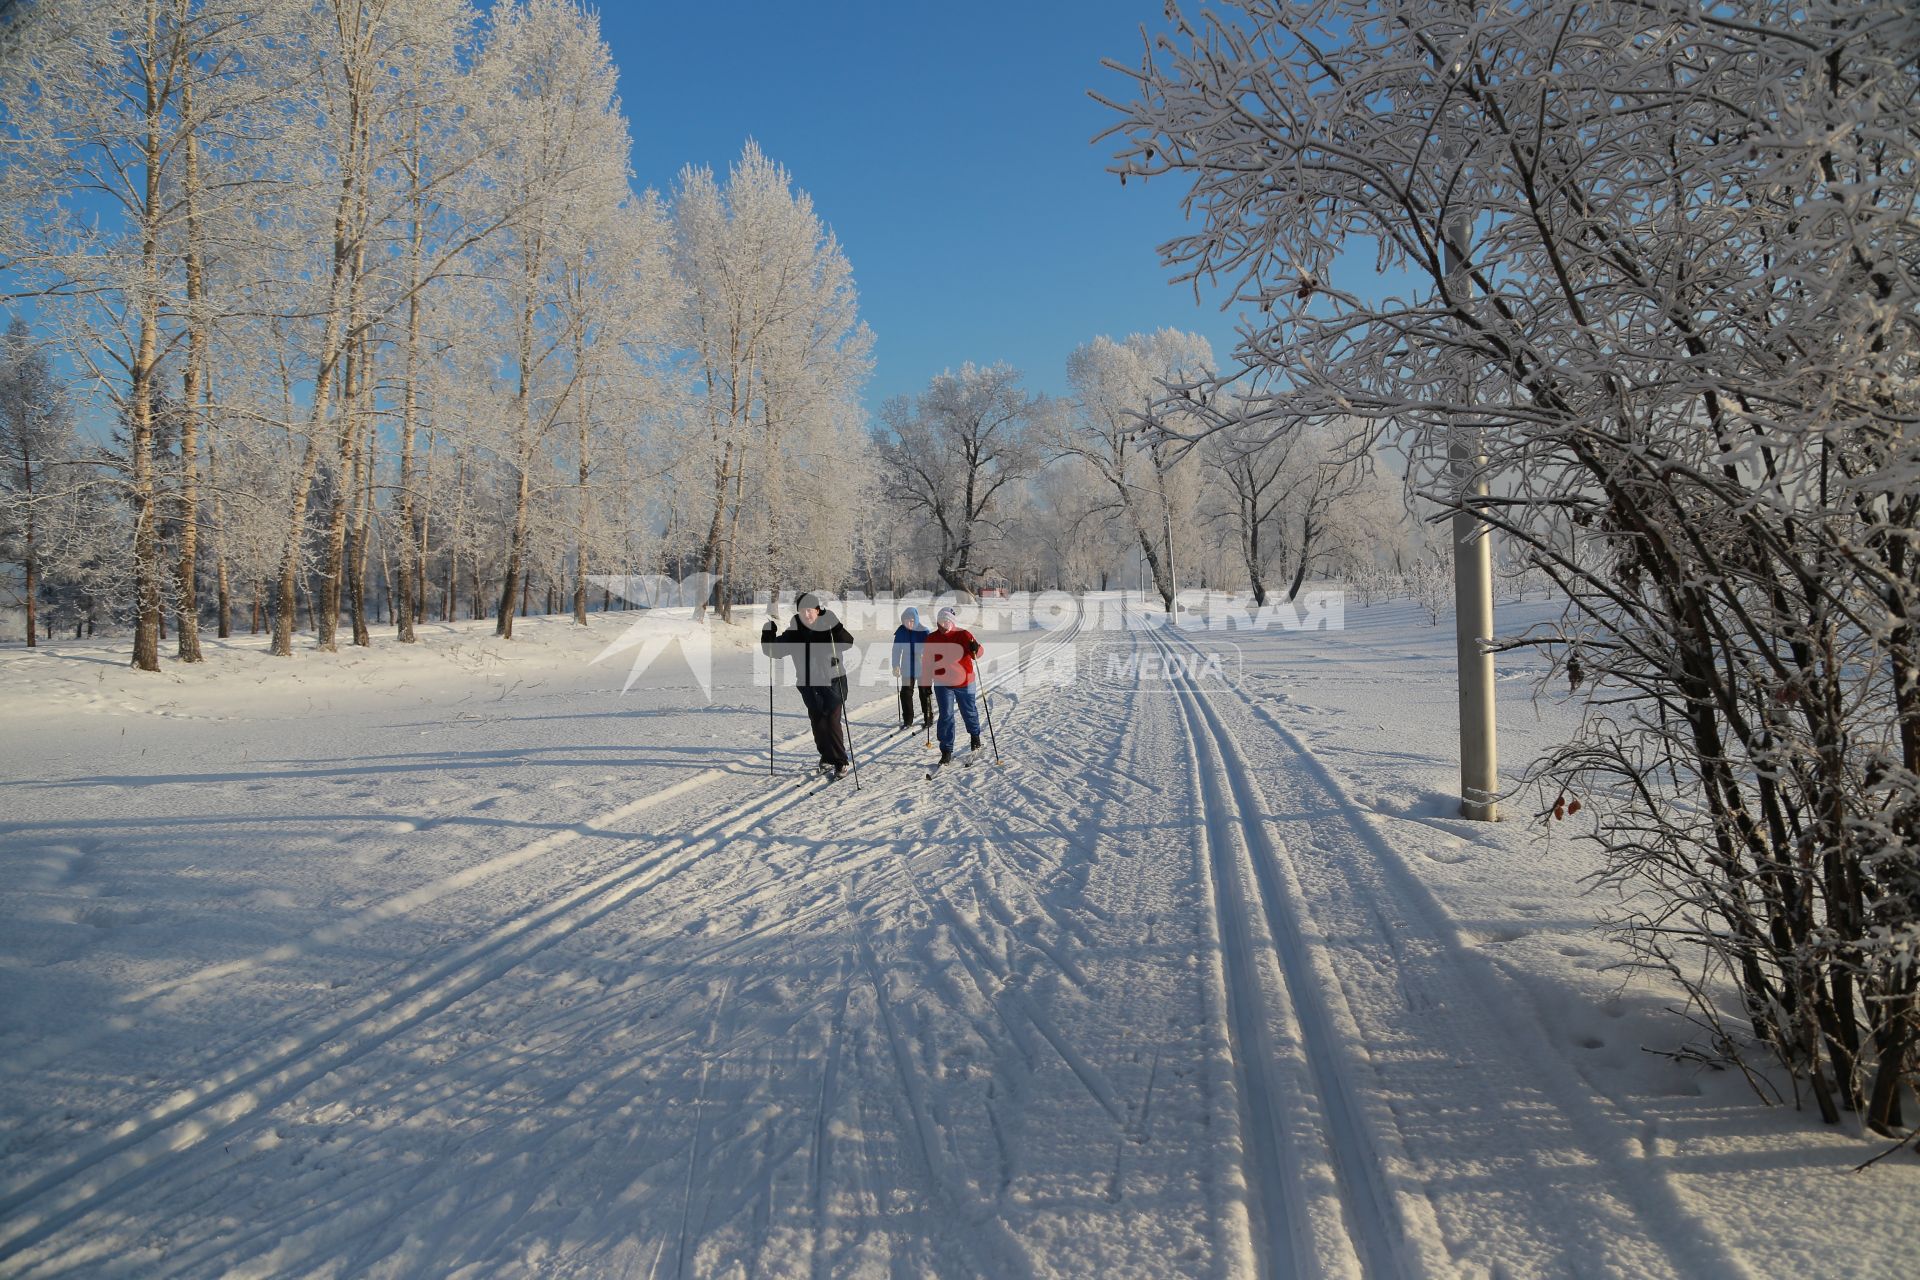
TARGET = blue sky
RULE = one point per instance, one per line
(948, 147)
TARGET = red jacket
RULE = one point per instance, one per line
(946, 657)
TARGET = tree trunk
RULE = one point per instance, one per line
(147, 620)
(523, 397)
(386, 583)
(710, 552)
(343, 301)
(186, 588)
(1307, 534)
(1162, 583)
(412, 579)
(290, 574)
(1250, 549)
(346, 489)
(362, 524)
(580, 530)
(510, 585)
(33, 580)
(223, 582)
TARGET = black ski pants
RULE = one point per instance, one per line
(824, 704)
(906, 702)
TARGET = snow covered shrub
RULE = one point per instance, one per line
(1370, 583)
(1430, 584)
(1520, 579)
(1662, 341)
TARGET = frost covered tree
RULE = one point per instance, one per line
(415, 333)
(37, 459)
(561, 174)
(1296, 495)
(436, 160)
(1072, 527)
(106, 107)
(1664, 289)
(777, 354)
(351, 123)
(1130, 415)
(619, 297)
(955, 455)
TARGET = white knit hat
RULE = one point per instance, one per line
(948, 614)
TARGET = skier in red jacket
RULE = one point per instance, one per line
(946, 658)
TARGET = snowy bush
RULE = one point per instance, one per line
(1661, 338)
(1370, 583)
(1430, 585)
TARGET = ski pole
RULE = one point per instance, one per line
(987, 704)
(773, 660)
(846, 725)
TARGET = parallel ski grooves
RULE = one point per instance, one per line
(264, 1079)
(1372, 1218)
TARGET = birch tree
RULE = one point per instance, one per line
(770, 328)
(563, 172)
(37, 459)
(358, 111)
(292, 244)
(103, 125)
(619, 297)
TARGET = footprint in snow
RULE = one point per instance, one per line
(1499, 936)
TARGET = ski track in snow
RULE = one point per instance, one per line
(1371, 909)
(1160, 996)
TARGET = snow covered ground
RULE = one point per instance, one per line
(457, 961)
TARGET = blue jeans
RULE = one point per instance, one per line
(969, 711)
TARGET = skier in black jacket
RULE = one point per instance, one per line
(815, 640)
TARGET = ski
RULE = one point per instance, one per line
(822, 787)
(966, 763)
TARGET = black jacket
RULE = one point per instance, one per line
(816, 650)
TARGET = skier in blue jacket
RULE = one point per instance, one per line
(907, 639)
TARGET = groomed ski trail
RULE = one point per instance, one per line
(1312, 1172)
(274, 1064)
(1365, 950)
(1156, 999)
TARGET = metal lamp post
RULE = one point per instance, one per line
(1472, 599)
